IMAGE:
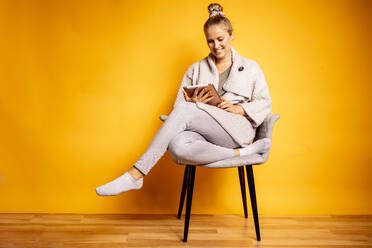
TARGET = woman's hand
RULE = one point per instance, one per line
(228, 106)
(197, 96)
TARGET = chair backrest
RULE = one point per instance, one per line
(265, 130)
(163, 117)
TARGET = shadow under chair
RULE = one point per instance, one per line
(265, 130)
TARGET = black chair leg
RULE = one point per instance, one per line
(184, 189)
(252, 193)
(242, 188)
(188, 201)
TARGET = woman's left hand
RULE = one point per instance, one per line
(228, 106)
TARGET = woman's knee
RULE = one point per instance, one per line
(181, 145)
(177, 144)
(186, 108)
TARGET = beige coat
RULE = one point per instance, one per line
(245, 86)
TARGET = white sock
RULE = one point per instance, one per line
(259, 146)
(121, 184)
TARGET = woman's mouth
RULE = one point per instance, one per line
(218, 51)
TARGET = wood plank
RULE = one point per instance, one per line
(142, 230)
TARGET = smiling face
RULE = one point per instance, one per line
(218, 40)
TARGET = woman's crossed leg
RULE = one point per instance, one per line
(209, 143)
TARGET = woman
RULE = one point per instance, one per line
(201, 133)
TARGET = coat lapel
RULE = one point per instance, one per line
(234, 69)
(237, 81)
(211, 73)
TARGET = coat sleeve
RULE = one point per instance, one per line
(186, 80)
(259, 106)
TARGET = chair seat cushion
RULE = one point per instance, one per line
(253, 159)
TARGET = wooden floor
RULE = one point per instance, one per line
(124, 230)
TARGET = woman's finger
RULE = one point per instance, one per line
(221, 104)
(184, 93)
(195, 92)
(224, 107)
(227, 104)
(208, 99)
(201, 93)
(227, 109)
(205, 96)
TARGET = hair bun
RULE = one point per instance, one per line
(215, 9)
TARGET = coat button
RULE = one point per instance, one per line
(241, 68)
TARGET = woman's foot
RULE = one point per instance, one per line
(259, 146)
(121, 184)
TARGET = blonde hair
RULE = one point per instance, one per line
(216, 16)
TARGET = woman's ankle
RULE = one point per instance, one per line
(236, 152)
(135, 173)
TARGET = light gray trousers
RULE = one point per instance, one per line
(191, 135)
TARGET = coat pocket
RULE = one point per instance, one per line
(243, 90)
(234, 98)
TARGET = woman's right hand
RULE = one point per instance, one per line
(198, 96)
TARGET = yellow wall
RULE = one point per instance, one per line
(83, 84)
